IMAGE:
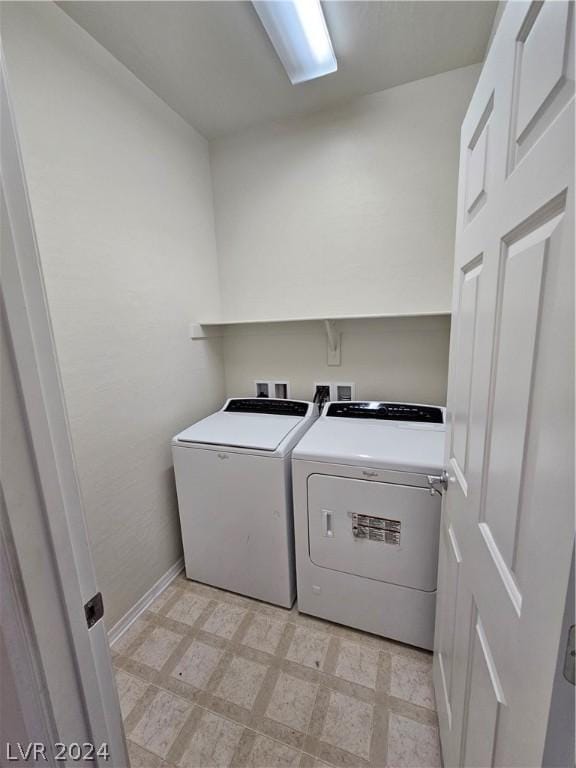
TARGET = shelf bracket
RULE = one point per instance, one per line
(334, 339)
(198, 331)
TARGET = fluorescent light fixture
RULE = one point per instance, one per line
(299, 34)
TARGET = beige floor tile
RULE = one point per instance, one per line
(412, 681)
(348, 724)
(156, 649)
(274, 611)
(130, 690)
(133, 631)
(188, 608)
(213, 743)
(163, 598)
(224, 620)
(412, 744)
(308, 648)
(267, 753)
(214, 593)
(141, 758)
(160, 723)
(197, 664)
(292, 702)
(357, 663)
(263, 634)
(309, 761)
(242, 681)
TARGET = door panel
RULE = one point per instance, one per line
(543, 73)
(470, 277)
(517, 333)
(485, 699)
(507, 526)
(477, 163)
(448, 584)
(542, 64)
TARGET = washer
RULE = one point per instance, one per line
(367, 491)
(233, 478)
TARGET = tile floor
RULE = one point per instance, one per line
(209, 679)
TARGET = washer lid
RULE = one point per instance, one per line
(402, 446)
(263, 432)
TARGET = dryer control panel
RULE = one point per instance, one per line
(386, 411)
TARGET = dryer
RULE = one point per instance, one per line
(233, 480)
(367, 481)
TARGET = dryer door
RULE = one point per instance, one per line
(375, 530)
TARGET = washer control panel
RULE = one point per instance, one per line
(267, 405)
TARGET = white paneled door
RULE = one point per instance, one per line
(508, 517)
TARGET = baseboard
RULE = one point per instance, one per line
(129, 618)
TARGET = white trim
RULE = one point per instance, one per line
(138, 608)
(20, 644)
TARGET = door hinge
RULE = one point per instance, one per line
(438, 483)
(570, 658)
(94, 609)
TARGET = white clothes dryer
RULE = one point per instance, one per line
(233, 479)
(367, 481)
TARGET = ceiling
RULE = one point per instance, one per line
(213, 63)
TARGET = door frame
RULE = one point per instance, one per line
(62, 527)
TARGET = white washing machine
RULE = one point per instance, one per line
(233, 479)
(367, 481)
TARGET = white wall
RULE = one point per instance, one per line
(121, 193)
(346, 211)
(388, 359)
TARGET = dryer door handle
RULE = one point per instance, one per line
(327, 529)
